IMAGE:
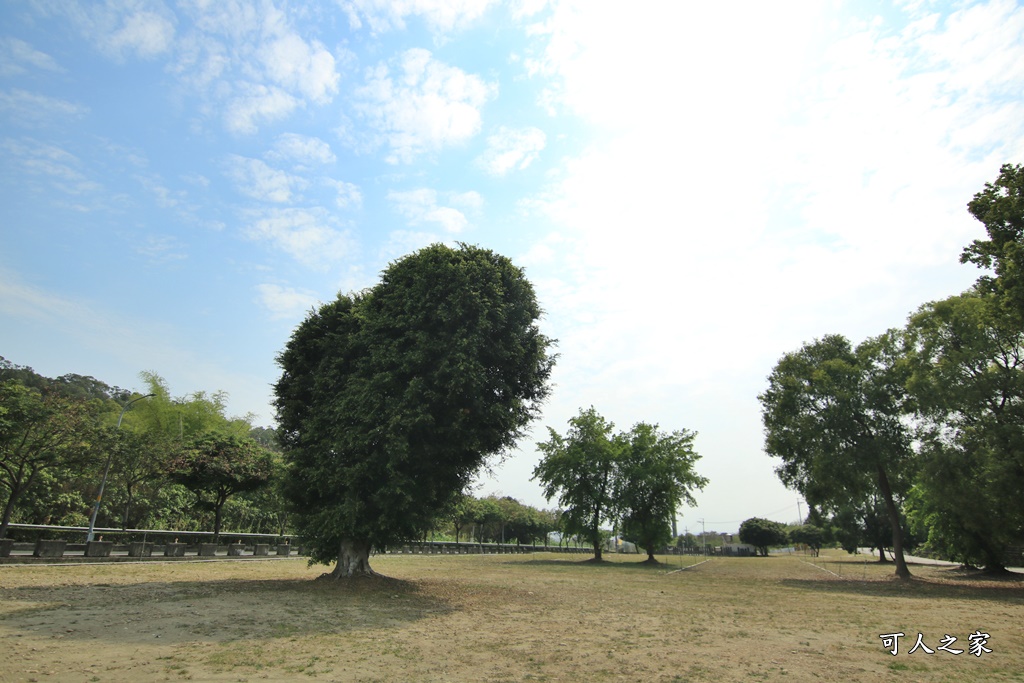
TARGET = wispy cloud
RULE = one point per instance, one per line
(307, 235)
(51, 164)
(285, 303)
(162, 249)
(347, 195)
(32, 110)
(511, 149)
(302, 150)
(441, 16)
(254, 178)
(421, 207)
(418, 104)
(18, 57)
(120, 30)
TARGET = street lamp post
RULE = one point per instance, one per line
(106, 470)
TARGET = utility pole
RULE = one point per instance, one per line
(703, 536)
(799, 514)
(106, 470)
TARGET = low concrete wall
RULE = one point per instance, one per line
(49, 548)
(98, 548)
(6, 544)
(235, 549)
(284, 549)
(174, 550)
(207, 549)
(261, 549)
(140, 549)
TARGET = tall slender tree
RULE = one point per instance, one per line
(579, 469)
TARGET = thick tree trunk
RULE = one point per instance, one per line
(353, 560)
(894, 521)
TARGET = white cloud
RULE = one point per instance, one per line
(143, 28)
(751, 185)
(250, 61)
(61, 169)
(147, 34)
(162, 249)
(303, 150)
(256, 179)
(511, 149)
(285, 303)
(304, 67)
(17, 57)
(420, 104)
(348, 195)
(306, 235)
(420, 207)
(441, 16)
(33, 110)
(255, 104)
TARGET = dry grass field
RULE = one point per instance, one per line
(504, 618)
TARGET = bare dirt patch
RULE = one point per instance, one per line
(503, 618)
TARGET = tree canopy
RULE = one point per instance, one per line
(636, 479)
(216, 466)
(762, 534)
(833, 415)
(655, 476)
(579, 469)
(391, 399)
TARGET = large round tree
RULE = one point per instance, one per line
(391, 399)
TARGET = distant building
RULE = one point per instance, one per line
(739, 550)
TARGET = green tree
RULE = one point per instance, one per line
(216, 466)
(809, 535)
(834, 415)
(138, 460)
(391, 400)
(1000, 207)
(39, 432)
(655, 476)
(763, 534)
(966, 356)
(579, 469)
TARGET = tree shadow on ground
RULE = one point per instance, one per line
(944, 587)
(216, 610)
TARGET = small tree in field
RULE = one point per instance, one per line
(655, 476)
(762, 534)
(217, 466)
(810, 535)
(392, 399)
(579, 468)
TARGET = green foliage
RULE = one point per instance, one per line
(655, 475)
(966, 356)
(637, 479)
(579, 468)
(763, 534)
(391, 400)
(39, 432)
(834, 415)
(1000, 207)
(216, 466)
(809, 535)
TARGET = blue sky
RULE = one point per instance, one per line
(694, 189)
